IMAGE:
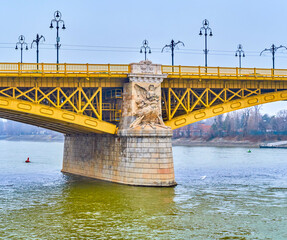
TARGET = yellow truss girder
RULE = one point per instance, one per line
(56, 106)
(63, 98)
(183, 101)
(225, 107)
(53, 118)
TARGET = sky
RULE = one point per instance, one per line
(112, 31)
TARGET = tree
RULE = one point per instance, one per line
(227, 124)
(281, 118)
(217, 126)
(244, 120)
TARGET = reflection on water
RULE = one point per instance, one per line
(243, 196)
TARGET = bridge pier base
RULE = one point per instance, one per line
(141, 152)
(132, 157)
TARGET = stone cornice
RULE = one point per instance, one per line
(148, 78)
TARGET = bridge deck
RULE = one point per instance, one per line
(122, 71)
(85, 98)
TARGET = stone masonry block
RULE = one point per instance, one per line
(131, 160)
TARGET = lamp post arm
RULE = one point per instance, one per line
(281, 46)
(42, 37)
(34, 41)
(179, 42)
(202, 29)
(166, 46)
(52, 21)
(264, 51)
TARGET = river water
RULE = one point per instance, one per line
(222, 193)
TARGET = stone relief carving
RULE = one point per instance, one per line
(148, 110)
(145, 67)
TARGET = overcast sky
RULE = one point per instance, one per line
(112, 31)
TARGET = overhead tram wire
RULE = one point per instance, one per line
(130, 49)
(136, 48)
(156, 50)
(123, 49)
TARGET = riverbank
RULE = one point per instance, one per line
(215, 142)
(225, 142)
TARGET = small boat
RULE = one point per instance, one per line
(278, 144)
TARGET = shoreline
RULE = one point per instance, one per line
(229, 142)
(196, 143)
(217, 142)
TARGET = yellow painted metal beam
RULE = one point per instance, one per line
(66, 70)
(63, 70)
(64, 98)
(178, 104)
(39, 113)
(228, 73)
(226, 107)
(73, 93)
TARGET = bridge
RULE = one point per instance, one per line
(118, 118)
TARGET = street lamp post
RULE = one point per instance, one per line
(239, 53)
(172, 46)
(207, 30)
(37, 41)
(21, 43)
(145, 47)
(57, 19)
(273, 49)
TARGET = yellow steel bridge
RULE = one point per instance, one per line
(87, 98)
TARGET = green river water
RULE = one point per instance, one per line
(222, 193)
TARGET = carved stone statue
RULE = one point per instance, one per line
(148, 110)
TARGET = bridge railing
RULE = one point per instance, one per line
(12, 69)
(63, 68)
(223, 72)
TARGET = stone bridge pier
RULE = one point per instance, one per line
(141, 152)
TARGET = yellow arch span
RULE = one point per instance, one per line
(52, 118)
(213, 111)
